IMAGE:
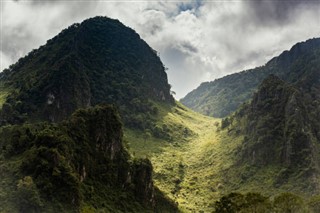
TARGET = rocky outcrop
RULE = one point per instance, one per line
(223, 96)
(142, 179)
(279, 130)
(81, 160)
(103, 130)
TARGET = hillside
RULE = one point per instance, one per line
(197, 170)
(280, 129)
(79, 165)
(57, 153)
(88, 124)
(97, 61)
(223, 96)
(267, 148)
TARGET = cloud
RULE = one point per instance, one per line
(5, 61)
(197, 40)
(277, 12)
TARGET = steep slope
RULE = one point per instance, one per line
(77, 165)
(97, 61)
(183, 167)
(270, 146)
(80, 164)
(280, 129)
(223, 96)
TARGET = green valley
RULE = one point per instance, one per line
(196, 170)
(88, 123)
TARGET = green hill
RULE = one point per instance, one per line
(223, 96)
(79, 165)
(97, 61)
(52, 162)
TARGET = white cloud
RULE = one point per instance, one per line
(5, 61)
(197, 40)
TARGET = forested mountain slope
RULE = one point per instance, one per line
(221, 97)
(263, 158)
(79, 165)
(97, 61)
(280, 127)
(51, 162)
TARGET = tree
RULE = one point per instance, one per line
(28, 195)
(239, 203)
(314, 203)
(225, 122)
(146, 135)
(256, 203)
(288, 203)
(230, 203)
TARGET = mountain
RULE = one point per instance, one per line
(223, 96)
(280, 128)
(63, 146)
(78, 165)
(265, 155)
(97, 61)
(61, 112)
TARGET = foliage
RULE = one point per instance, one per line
(196, 169)
(225, 122)
(97, 61)
(231, 203)
(80, 165)
(237, 202)
(257, 203)
(314, 203)
(288, 203)
(73, 166)
(223, 96)
(28, 197)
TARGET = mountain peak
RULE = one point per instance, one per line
(97, 61)
(296, 51)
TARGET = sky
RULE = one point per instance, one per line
(197, 40)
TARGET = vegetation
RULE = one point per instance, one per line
(57, 153)
(255, 202)
(97, 61)
(4, 92)
(223, 96)
(77, 165)
(199, 169)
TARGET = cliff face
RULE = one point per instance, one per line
(79, 162)
(278, 118)
(280, 130)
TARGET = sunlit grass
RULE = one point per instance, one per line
(197, 169)
(182, 168)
